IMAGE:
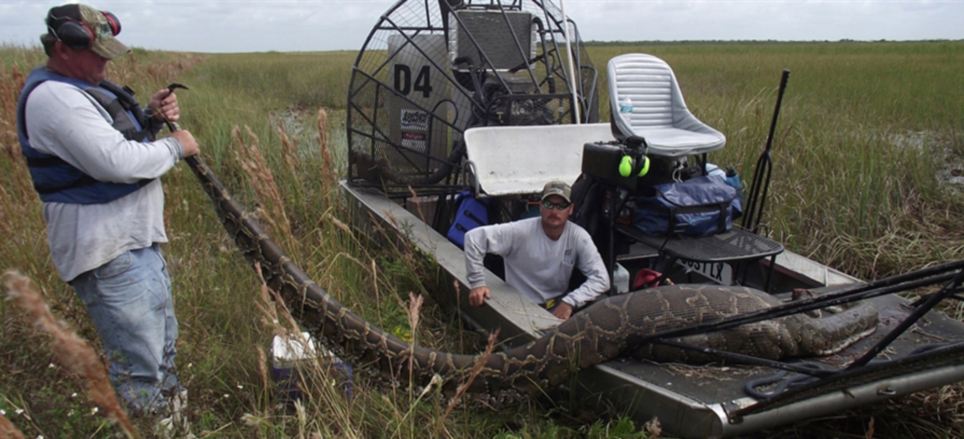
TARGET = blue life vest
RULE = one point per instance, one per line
(58, 181)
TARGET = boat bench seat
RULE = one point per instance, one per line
(520, 160)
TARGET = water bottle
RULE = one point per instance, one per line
(733, 179)
(621, 279)
(712, 169)
(625, 105)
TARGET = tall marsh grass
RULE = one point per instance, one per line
(864, 133)
(72, 353)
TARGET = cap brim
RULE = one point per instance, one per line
(109, 47)
(560, 194)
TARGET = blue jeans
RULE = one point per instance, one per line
(129, 300)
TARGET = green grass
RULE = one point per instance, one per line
(865, 130)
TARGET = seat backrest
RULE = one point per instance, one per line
(648, 85)
(512, 160)
(646, 101)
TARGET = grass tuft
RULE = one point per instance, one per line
(72, 352)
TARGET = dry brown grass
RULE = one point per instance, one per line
(323, 410)
(327, 166)
(473, 374)
(17, 189)
(8, 430)
(10, 84)
(289, 151)
(72, 352)
(133, 69)
(415, 303)
(247, 152)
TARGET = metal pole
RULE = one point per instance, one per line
(572, 67)
(761, 176)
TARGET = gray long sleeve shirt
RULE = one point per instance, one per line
(538, 267)
(64, 121)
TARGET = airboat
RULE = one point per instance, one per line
(488, 100)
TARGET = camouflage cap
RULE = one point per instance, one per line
(102, 25)
(557, 187)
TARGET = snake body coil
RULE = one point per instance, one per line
(597, 334)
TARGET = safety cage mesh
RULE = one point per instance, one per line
(430, 69)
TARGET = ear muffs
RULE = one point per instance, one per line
(115, 26)
(74, 34)
(78, 35)
(628, 164)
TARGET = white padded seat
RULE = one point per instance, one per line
(513, 160)
(646, 101)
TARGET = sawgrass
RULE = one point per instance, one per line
(866, 130)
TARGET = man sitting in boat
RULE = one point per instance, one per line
(540, 254)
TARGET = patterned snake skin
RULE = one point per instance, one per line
(595, 335)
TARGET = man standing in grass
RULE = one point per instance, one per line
(93, 159)
(539, 255)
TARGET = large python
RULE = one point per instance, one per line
(601, 332)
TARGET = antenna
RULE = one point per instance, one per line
(570, 55)
(761, 176)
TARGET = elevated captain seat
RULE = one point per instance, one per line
(650, 118)
(646, 102)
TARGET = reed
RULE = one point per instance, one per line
(473, 374)
(247, 152)
(8, 430)
(327, 165)
(72, 352)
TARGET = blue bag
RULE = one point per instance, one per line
(700, 206)
(471, 213)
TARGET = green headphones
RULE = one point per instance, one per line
(626, 165)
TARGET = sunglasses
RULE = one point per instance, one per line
(548, 204)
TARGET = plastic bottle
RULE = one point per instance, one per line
(625, 105)
(712, 169)
(621, 279)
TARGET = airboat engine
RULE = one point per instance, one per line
(430, 70)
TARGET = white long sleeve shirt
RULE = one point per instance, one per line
(64, 121)
(538, 267)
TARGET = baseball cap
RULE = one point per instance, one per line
(102, 25)
(557, 187)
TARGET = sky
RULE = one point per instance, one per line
(309, 25)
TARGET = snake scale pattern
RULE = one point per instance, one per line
(596, 334)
